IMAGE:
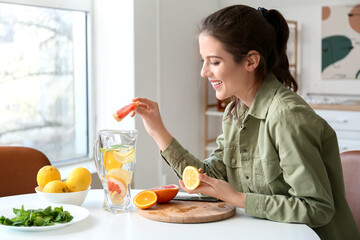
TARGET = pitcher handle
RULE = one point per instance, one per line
(96, 155)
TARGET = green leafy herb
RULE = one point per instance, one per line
(112, 148)
(37, 217)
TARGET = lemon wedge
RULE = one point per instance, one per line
(116, 198)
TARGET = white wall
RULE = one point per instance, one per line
(182, 88)
(167, 70)
(147, 169)
(113, 55)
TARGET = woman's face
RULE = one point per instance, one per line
(227, 77)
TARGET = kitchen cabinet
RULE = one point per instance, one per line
(346, 125)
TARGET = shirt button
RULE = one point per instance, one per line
(244, 150)
(247, 177)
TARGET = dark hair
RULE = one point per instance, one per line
(241, 29)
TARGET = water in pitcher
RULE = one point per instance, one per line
(115, 161)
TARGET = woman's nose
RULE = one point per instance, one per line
(204, 70)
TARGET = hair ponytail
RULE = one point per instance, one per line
(281, 68)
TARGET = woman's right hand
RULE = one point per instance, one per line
(150, 114)
(218, 189)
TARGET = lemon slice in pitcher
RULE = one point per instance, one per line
(116, 198)
(120, 174)
(124, 157)
(110, 161)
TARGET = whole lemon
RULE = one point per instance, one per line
(47, 174)
(55, 186)
(78, 179)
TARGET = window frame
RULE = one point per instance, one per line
(81, 5)
(85, 6)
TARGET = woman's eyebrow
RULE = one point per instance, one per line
(213, 56)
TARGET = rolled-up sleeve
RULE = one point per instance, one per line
(178, 158)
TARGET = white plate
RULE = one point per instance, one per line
(79, 213)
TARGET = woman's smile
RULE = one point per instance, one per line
(216, 83)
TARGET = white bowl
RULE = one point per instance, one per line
(73, 198)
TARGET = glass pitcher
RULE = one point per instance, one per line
(114, 152)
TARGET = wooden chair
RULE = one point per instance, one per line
(350, 161)
(18, 169)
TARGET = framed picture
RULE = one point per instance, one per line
(340, 42)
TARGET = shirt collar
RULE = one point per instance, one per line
(264, 96)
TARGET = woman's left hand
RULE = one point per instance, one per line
(218, 189)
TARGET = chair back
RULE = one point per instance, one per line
(18, 169)
(350, 162)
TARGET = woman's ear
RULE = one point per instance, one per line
(253, 59)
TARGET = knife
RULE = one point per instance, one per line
(196, 198)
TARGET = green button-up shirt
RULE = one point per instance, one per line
(285, 158)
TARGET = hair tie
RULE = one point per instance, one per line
(264, 11)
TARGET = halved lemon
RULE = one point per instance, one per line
(190, 177)
(145, 199)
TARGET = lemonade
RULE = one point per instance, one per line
(115, 162)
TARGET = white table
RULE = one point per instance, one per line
(104, 225)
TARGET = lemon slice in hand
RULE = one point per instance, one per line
(190, 177)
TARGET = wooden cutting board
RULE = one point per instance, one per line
(188, 211)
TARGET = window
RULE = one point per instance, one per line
(44, 85)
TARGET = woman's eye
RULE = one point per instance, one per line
(211, 63)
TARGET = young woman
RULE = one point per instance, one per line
(276, 158)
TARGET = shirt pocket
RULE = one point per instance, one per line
(269, 177)
(232, 157)
(232, 161)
